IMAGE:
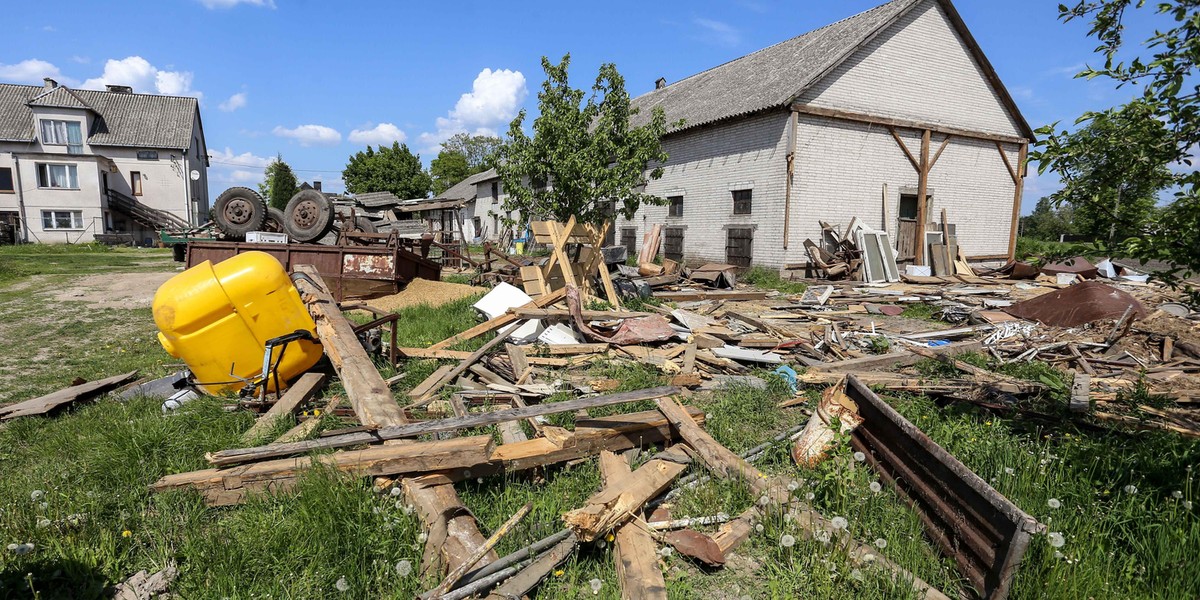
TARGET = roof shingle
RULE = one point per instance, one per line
(140, 120)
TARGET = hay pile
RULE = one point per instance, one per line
(424, 291)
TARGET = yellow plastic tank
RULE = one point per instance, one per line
(218, 318)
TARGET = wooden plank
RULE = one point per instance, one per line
(226, 457)
(616, 503)
(834, 113)
(689, 357)
(686, 296)
(305, 388)
(1081, 390)
(560, 349)
(562, 314)
(923, 198)
(437, 375)
(461, 354)
(498, 322)
(303, 430)
(467, 362)
(895, 359)
(516, 355)
(369, 395)
(636, 558)
(76, 393)
(1018, 190)
(453, 534)
(718, 458)
(224, 486)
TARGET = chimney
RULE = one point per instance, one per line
(50, 83)
(119, 89)
(660, 83)
(317, 184)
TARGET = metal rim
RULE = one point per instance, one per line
(306, 215)
(238, 211)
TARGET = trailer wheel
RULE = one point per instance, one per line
(362, 225)
(309, 216)
(275, 221)
(238, 211)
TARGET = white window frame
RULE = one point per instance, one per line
(56, 136)
(75, 216)
(43, 176)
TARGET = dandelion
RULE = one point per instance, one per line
(1056, 539)
(792, 486)
(822, 536)
(43, 504)
(610, 537)
(880, 543)
(1131, 489)
(1187, 504)
(787, 541)
(1059, 555)
(763, 500)
(1176, 494)
(869, 558)
(43, 523)
(559, 573)
(404, 568)
(421, 537)
(1010, 471)
(839, 522)
(601, 544)
(342, 585)
(395, 491)
(856, 575)
(875, 487)
(860, 457)
(37, 495)
(1053, 503)
(126, 533)
(758, 528)
(809, 496)
(665, 552)
(595, 584)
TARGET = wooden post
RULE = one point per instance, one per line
(791, 171)
(922, 192)
(1018, 175)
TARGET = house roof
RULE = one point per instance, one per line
(140, 120)
(377, 199)
(465, 189)
(776, 76)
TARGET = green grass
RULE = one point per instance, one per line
(769, 279)
(44, 259)
(921, 310)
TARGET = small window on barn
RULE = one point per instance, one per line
(495, 192)
(741, 201)
(6, 180)
(675, 206)
(908, 206)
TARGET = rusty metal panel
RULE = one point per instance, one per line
(982, 531)
(368, 266)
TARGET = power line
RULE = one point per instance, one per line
(233, 164)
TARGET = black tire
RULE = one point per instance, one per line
(362, 225)
(238, 211)
(275, 221)
(309, 216)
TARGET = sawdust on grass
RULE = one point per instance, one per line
(424, 291)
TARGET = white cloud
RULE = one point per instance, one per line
(29, 71)
(143, 77)
(234, 102)
(212, 4)
(717, 32)
(245, 159)
(240, 176)
(493, 102)
(83, 60)
(310, 135)
(382, 134)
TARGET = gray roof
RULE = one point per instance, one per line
(139, 120)
(776, 76)
(465, 189)
(377, 199)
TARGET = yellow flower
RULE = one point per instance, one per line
(316, 412)
(126, 533)
(610, 537)
(559, 573)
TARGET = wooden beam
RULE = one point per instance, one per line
(709, 295)
(226, 457)
(467, 362)
(461, 354)
(76, 393)
(906, 124)
(498, 322)
(922, 197)
(616, 503)
(1019, 189)
(791, 173)
(912, 160)
(938, 154)
(895, 359)
(225, 486)
(637, 562)
(368, 393)
(305, 388)
(305, 429)
(453, 535)
(564, 314)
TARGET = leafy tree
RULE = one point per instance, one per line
(278, 184)
(583, 155)
(449, 168)
(390, 169)
(1047, 221)
(478, 150)
(1170, 95)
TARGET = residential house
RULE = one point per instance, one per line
(77, 163)
(853, 120)
(481, 212)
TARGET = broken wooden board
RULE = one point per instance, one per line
(542, 361)
(614, 504)
(453, 534)
(636, 552)
(687, 296)
(300, 392)
(368, 393)
(225, 486)
(54, 400)
(498, 322)
(895, 359)
(524, 581)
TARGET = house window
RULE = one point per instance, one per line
(673, 244)
(147, 155)
(62, 219)
(741, 201)
(495, 192)
(135, 182)
(739, 245)
(64, 133)
(675, 206)
(57, 176)
(6, 180)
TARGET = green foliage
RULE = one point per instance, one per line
(880, 345)
(1048, 222)
(921, 310)
(769, 279)
(392, 169)
(1149, 142)
(585, 158)
(448, 169)
(478, 150)
(278, 184)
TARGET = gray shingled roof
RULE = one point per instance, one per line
(465, 189)
(139, 120)
(771, 77)
(377, 199)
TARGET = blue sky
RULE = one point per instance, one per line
(318, 81)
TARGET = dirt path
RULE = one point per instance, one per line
(113, 290)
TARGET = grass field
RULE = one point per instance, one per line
(74, 486)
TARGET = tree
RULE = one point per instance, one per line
(394, 169)
(447, 169)
(1048, 221)
(478, 150)
(583, 155)
(278, 184)
(1169, 95)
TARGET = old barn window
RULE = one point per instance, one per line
(741, 201)
(675, 206)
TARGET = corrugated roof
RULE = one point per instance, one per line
(377, 199)
(140, 120)
(465, 189)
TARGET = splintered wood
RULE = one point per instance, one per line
(618, 502)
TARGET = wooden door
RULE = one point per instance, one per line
(629, 240)
(673, 244)
(739, 246)
(906, 228)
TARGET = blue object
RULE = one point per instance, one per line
(789, 375)
(936, 343)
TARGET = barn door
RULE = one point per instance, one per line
(906, 228)
(629, 240)
(673, 244)
(739, 244)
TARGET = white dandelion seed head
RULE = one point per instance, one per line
(787, 541)
(1010, 471)
(37, 495)
(880, 543)
(665, 552)
(601, 544)
(788, 517)
(759, 528)
(395, 491)
(856, 574)
(1056, 539)
(595, 584)
(1187, 504)
(839, 522)
(1177, 494)
(341, 584)
(404, 568)
(408, 509)
(793, 486)
(823, 536)
(467, 474)
(869, 558)
(875, 487)
(1130, 489)
(421, 537)
(43, 523)
(1053, 503)
(809, 496)
(860, 457)
(763, 500)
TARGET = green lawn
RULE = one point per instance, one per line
(75, 486)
